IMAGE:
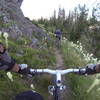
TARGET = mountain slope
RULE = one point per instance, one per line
(13, 21)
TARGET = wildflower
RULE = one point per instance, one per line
(91, 55)
(32, 86)
(95, 60)
(10, 76)
(77, 42)
(5, 35)
(6, 38)
(98, 89)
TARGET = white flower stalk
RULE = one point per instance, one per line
(91, 55)
(10, 76)
(5, 35)
(32, 86)
(25, 42)
(86, 56)
(6, 38)
(98, 89)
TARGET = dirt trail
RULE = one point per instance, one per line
(60, 65)
(59, 60)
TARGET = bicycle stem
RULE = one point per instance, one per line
(58, 78)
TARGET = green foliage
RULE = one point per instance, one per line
(80, 85)
(41, 57)
(9, 89)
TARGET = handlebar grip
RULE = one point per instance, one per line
(82, 71)
(92, 69)
(33, 72)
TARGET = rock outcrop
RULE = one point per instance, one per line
(13, 21)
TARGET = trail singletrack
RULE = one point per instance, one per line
(59, 59)
(60, 65)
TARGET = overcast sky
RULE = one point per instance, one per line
(34, 9)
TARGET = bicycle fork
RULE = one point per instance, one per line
(57, 85)
(52, 88)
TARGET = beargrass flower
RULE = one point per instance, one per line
(32, 86)
(5, 35)
(10, 76)
(6, 38)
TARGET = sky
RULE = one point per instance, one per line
(35, 9)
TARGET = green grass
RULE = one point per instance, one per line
(35, 58)
(79, 84)
(9, 89)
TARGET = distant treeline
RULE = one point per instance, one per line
(78, 25)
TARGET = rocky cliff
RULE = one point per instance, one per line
(13, 21)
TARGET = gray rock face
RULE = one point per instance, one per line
(13, 21)
(20, 2)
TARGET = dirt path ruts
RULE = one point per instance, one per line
(59, 59)
(60, 65)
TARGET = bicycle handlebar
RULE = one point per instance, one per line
(54, 72)
(58, 73)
